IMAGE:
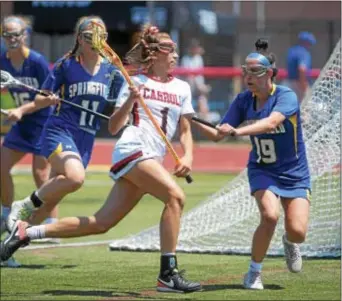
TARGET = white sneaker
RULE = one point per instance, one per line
(252, 280)
(292, 256)
(19, 211)
(10, 263)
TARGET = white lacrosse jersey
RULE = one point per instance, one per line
(167, 101)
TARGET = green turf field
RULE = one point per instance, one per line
(94, 273)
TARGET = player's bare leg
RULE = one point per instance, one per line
(69, 177)
(157, 181)
(121, 200)
(9, 158)
(152, 177)
(269, 207)
(296, 226)
(41, 171)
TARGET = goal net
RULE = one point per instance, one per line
(225, 222)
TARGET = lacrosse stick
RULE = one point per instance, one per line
(202, 121)
(4, 112)
(7, 80)
(101, 46)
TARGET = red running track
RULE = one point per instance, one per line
(207, 157)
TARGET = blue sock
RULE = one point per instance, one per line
(5, 211)
(50, 220)
(255, 266)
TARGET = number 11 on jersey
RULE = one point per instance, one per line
(87, 119)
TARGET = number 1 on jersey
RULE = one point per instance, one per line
(163, 125)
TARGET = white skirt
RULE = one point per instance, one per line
(130, 149)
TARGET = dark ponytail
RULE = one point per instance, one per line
(261, 46)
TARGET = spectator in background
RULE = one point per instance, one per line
(299, 64)
(199, 90)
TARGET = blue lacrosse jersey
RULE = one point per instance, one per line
(69, 128)
(279, 154)
(73, 83)
(33, 72)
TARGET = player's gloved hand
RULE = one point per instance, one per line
(226, 130)
(14, 115)
(184, 168)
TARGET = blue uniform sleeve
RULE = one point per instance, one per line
(42, 70)
(235, 115)
(286, 103)
(115, 86)
(55, 78)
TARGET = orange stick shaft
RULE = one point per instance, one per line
(149, 114)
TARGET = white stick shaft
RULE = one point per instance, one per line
(4, 112)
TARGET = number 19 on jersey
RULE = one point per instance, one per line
(266, 150)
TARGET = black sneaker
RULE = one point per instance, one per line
(14, 241)
(3, 226)
(174, 282)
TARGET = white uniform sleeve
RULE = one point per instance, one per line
(187, 102)
(123, 95)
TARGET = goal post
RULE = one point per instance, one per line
(225, 222)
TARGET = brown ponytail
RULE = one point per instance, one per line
(143, 53)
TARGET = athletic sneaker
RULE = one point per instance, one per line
(10, 263)
(174, 282)
(14, 241)
(252, 280)
(19, 211)
(292, 256)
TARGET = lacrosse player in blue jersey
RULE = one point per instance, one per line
(83, 77)
(277, 167)
(31, 68)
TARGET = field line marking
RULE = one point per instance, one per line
(66, 245)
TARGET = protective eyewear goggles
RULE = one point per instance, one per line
(88, 36)
(167, 48)
(13, 34)
(256, 70)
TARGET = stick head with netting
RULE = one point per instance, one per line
(6, 79)
(100, 45)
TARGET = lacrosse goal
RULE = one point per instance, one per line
(225, 222)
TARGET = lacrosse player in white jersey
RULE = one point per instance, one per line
(137, 158)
